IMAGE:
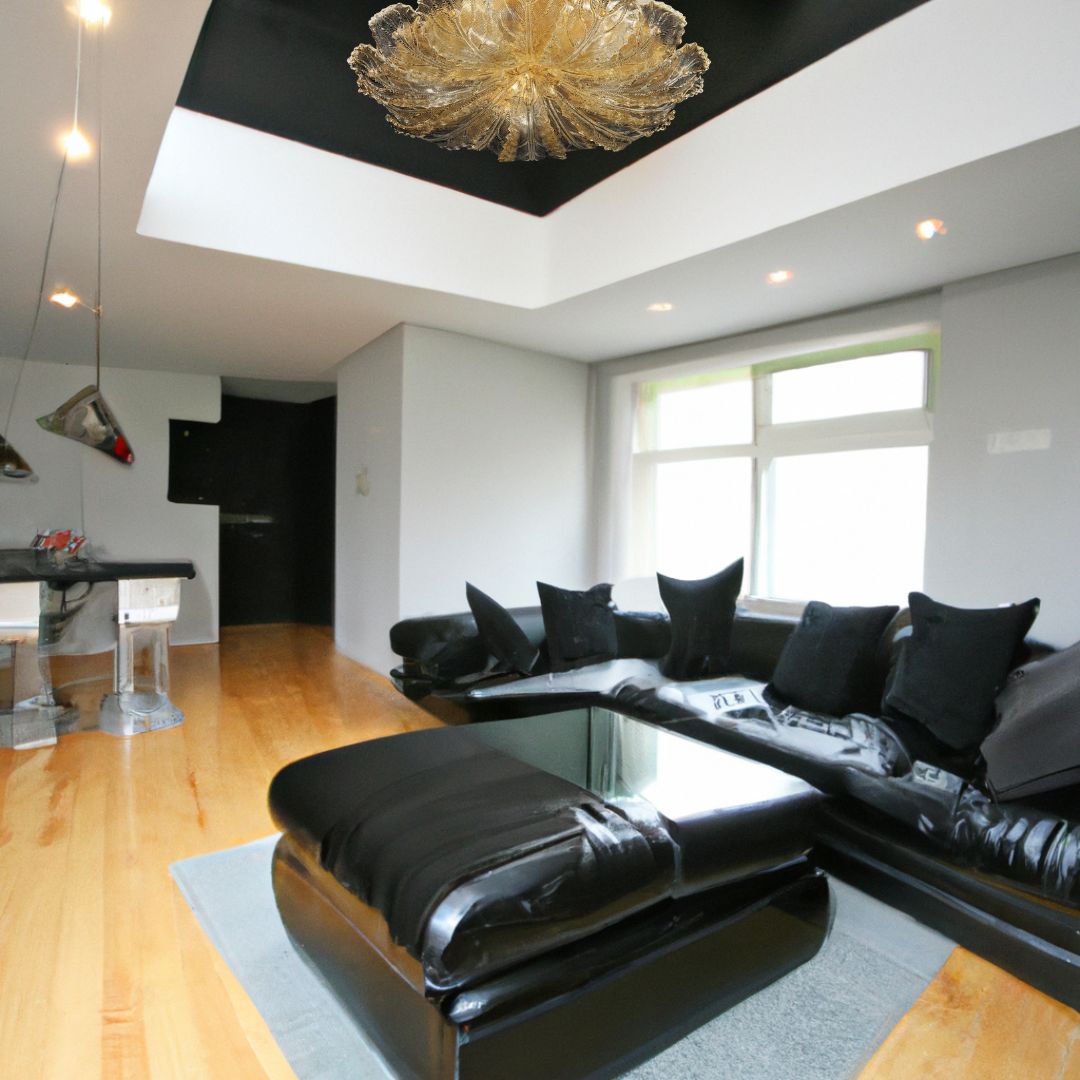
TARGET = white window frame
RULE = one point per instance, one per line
(867, 431)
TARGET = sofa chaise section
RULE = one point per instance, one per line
(482, 917)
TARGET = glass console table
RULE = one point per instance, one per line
(39, 599)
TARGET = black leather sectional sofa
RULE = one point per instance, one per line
(1000, 877)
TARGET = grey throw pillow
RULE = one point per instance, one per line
(1036, 744)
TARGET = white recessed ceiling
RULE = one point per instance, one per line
(237, 253)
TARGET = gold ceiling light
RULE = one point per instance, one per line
(529, 79)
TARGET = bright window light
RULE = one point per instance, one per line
(869, 384)
(847, 528)
(720, 414)
(703, 515)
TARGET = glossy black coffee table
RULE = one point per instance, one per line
(542, 992)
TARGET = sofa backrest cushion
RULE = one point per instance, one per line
(757, 641)
(831, 663)
(642, 635)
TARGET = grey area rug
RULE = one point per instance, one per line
(823, 1021)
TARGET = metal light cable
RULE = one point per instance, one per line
(97, 282)
(100, 145)
(49, 235)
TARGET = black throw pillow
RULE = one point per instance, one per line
(501, 635)
(1036, 744)
(952, 666)
(831, 663)
(580, 625)
(702, 616)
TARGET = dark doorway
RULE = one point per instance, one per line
(269, 467)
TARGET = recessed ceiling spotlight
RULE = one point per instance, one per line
(64, 298)
(931, 227)
(94, 12)
(660, 305)
(779, 277)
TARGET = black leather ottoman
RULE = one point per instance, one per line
(555, 896)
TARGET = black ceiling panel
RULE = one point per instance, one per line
(279, 66)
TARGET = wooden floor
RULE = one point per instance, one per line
(974, 1020)
(105, 972)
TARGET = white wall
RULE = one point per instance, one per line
(368, 527)
(477, 459)
(123, 510)
(1002, 527)
(495, 472)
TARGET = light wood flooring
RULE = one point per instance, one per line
(105, 972)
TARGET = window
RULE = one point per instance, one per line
(868, 384)
(814, 469)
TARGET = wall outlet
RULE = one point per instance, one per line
(363, 484)
(1013, 442)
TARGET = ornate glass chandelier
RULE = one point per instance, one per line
(529, 78)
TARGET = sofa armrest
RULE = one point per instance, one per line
(422, 637)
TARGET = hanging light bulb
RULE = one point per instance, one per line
(76, 145)
(64, 298)
(94, 12)
(86, 417)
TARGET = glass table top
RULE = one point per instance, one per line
(619, 757)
